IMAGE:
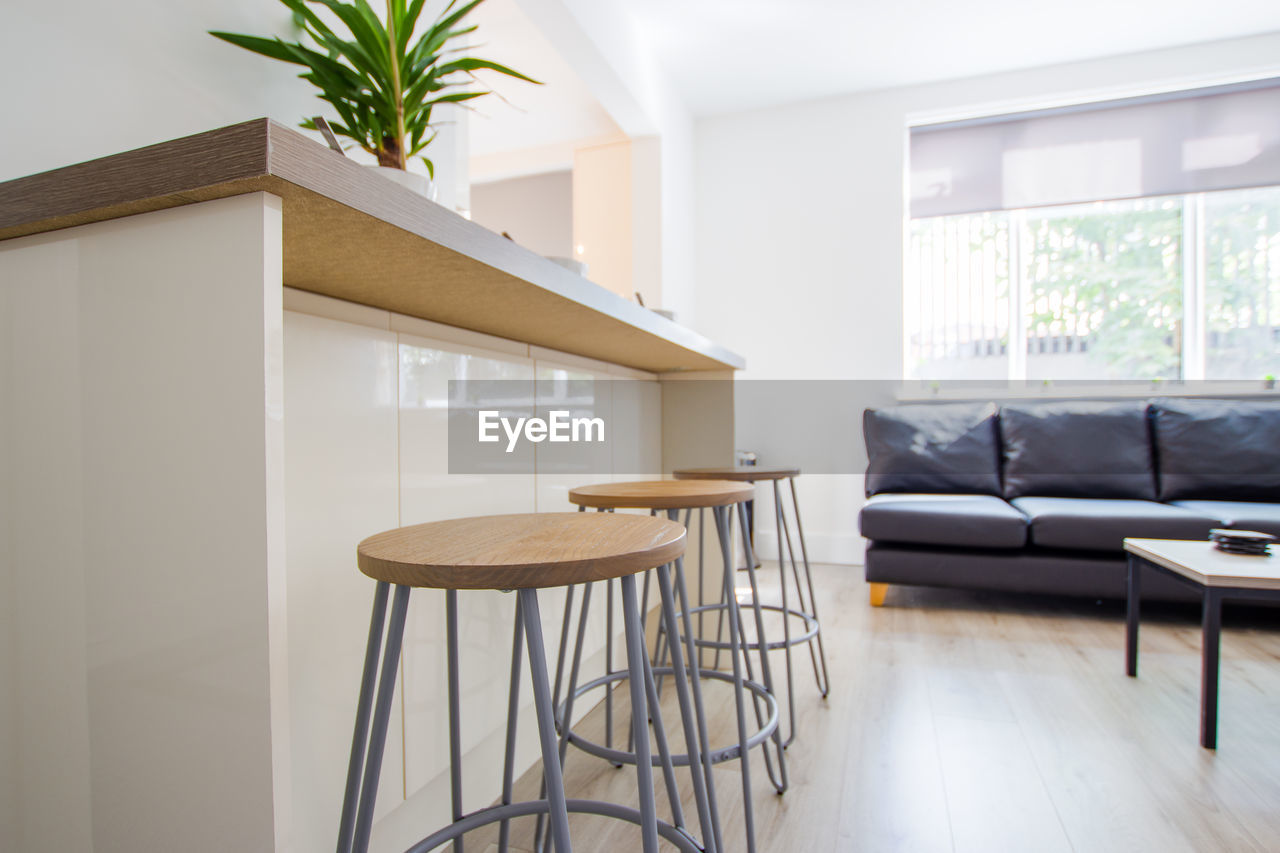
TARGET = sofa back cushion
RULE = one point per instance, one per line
(1078, 449)
(1217, 449)
(943, 448)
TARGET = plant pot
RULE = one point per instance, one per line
(420, 184)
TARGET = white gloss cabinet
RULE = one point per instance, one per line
(185, 470)
(143, 514)
(430, 493)
(366, 439)
(341, 485)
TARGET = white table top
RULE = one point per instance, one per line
(1199, 561)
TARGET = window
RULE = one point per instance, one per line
(1241, 280)
(1049, 246)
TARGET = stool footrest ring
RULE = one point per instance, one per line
(728, 753)
(810, 629)
(493, 814)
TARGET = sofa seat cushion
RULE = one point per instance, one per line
(967, 521)
(1242, 515)
(1099, 524)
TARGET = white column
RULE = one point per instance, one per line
(602, 215)
(143, 516)
(41, 519)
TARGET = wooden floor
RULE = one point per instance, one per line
(983, 722)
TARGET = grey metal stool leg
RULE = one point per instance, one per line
(804, 608)
(779, 779)
(381, 714)
(728, 599)
(786, 615)
(824, 681)
(692, 714)
(608, 660)
(564, 643)
(559, 815)
(567, 720)
(455, 713)
(688, 517)
(608, 657)
(608, 651)
(659, 646)
(639, 713)
(644, 600)
(702, 598)
(660, 649)
(737, 654)
(664, 749)
(364, 706)
(513, 716)
(564, 639)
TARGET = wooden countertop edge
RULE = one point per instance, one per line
(135, 181)
(253, 156)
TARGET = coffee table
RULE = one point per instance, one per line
(1218, 575)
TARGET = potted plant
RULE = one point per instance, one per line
(383, 88)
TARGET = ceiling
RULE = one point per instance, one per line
(731, 55)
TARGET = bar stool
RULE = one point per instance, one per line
(671, 496)
(523, 553)
(807, 612)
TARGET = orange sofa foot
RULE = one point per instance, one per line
(877, 591)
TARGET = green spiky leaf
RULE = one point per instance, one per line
(382, 84)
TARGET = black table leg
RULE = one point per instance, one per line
(1133, 604)
(1212, 628)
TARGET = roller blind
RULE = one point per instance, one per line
(1225, 137)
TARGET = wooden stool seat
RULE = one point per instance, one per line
(741, 473)
(520, 551)
(661, 494)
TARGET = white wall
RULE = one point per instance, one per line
(92, 79)
(537, 211)
(100, 78)
(799, 224)
(602, 42)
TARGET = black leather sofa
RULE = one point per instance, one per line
(1038, 497)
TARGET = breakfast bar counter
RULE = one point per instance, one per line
(351, 234)
(225, 361)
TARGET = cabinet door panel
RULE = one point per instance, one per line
(340, 486)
